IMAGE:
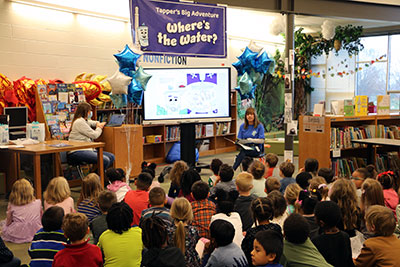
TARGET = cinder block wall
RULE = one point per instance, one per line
(41, 43)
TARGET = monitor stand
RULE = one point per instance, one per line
(17, 133)
(188, 143)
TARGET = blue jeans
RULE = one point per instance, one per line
(90, 157)
(242, 154)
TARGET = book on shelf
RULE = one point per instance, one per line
(341, 137)
(348, 107)
(383, 104)
(390, 132)
(62, 91)
(344, 167)
(209, 130)
(387, 161)
(361, 105)
(172, 133)
(223, 128)
(52, 92)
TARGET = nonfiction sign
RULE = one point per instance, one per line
(169, 27)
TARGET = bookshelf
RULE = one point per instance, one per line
(327, 139)
(211, 134)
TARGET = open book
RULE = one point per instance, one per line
(245, 147)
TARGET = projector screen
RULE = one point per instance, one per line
(180, 94)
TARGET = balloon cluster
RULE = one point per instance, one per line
(93, 87)
(128, 81)
(251, 68)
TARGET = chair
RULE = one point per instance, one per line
(70, 174)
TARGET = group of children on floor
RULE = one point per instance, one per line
(261, 217)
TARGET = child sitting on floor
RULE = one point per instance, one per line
(225, 180)
(244, 184)
(214, 166)
(182, 234)
(48, 240)
(121, 244)
(257, 169)
(383, 248)
(203, 209)
(157, 199)
(99, 224)
(333, 244)
(286, 172)
(138, 199)
(263, 211)
(24, 214)
(154, 237)
(58, 193)
(268, 249)
(298, 250)
(118, 183)
(271, 160)
(87, 202)
(246, 162)
(79, 252)
(223, 251)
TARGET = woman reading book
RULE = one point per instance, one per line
(250, 137)
(86, 130)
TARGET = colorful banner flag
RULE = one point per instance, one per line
(170, 27)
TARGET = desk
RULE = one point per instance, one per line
(44, 148)
(371, 142)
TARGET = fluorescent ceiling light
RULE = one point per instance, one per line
(99, 9)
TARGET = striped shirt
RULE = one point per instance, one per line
(89, 208)
(44, 247)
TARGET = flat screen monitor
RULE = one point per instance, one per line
(187, 95)
(18, 116)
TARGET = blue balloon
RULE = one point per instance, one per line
(135, 92)
(128, 72)
(245, 83)
(247, 57)
(239, 67)
(251, 94)
(261, 63)
(127, 59)
(119, 101)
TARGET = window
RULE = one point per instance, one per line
(372, 78)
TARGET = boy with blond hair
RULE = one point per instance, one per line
(383, 248)
(79, 252)
(244, 184)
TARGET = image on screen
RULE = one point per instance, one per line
(195, 93)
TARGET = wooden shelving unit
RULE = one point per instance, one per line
(156, 152)
(315, 141)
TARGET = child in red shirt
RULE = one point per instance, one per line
(79, 252)
(138, 199)
(271, 160)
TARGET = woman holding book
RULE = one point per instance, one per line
(251, 136)
(86, 130)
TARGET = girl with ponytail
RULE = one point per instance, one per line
(182, 235)
(263, 211)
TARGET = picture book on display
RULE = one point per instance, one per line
(59, 102)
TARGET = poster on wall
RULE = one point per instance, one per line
(179, 28)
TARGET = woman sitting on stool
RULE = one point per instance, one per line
(82, 130)
(251, 133)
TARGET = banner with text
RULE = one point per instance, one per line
(169, 27)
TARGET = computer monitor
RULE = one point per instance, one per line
(18, 117)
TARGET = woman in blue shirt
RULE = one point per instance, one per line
(251, 133)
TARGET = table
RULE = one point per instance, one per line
(45, 148)
(371, 142)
